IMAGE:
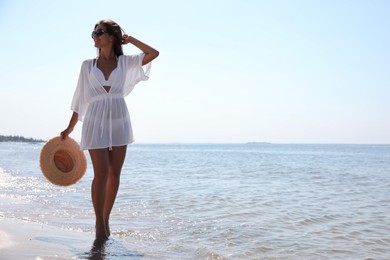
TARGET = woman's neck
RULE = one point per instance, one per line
(107, 54)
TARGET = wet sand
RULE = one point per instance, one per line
(27, 240)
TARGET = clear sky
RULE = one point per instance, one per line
(276, 71)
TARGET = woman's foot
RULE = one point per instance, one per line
(98, 249)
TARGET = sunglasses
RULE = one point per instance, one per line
(98, 32)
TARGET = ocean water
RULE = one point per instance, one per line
(221, 201)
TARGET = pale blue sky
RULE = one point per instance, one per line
(228, 71)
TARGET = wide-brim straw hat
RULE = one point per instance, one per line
(62, 161)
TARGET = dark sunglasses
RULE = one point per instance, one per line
(98, 32)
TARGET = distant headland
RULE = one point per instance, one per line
(19, 139)
(257, 143)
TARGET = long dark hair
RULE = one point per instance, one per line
(115, 30)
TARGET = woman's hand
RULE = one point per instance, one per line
(72, 123)
(125, 39)
(66, 132)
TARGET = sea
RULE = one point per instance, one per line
(220, 201)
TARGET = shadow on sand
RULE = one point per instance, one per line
(110, 249)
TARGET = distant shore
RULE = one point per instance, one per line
(19, 139)
(257, 143)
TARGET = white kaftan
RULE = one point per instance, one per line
(106, 120)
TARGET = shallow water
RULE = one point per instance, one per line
(266, 201)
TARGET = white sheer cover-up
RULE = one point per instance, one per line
(105, 117)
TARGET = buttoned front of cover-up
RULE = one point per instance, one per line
(105, 117)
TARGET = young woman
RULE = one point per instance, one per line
(99, 103)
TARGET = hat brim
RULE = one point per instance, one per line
(57, 175)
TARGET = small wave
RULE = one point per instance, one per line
(139, 235)
(205, 253)
(4, 174)
(316, 220)
(264, 249)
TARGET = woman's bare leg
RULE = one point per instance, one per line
(100, 160)
(116, 158)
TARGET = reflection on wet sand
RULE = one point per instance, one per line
(110, 249)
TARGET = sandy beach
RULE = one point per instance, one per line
(27, 240)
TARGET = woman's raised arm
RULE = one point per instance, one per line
(150, 53)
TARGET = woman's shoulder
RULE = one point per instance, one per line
(124, 59)
(132, 59)
(132, 56)
(87, 63)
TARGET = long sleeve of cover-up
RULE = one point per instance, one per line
(80, 102)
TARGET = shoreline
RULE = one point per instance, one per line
(21, 239)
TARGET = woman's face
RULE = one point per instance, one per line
(101, 38)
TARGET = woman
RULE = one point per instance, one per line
(99, 103)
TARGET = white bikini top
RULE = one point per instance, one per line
(100, 76)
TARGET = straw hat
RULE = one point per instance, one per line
(62, 161)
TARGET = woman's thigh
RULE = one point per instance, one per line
(100, 160)
(117, 157)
